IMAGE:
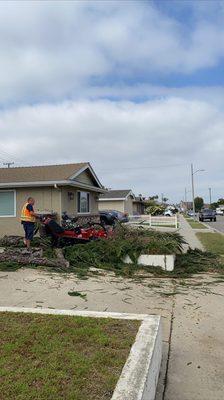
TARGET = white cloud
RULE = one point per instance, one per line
(54, 55)
(54, 49)
(120, 138)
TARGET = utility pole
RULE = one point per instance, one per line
(162, 198)
(192, 187)
(210, 195)
(185, 195)
(8, 164)
(192, 184)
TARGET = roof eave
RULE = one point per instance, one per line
(51, 183)
(130, 194)
(113, 199)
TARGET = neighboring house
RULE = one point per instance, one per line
(119, 200)
(186, 205)
(138, 205)
(56, 188)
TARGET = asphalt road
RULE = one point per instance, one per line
(219, 224)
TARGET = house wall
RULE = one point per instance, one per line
(71, 206)
(128, 205)
(46, 199)
(94, 202)
(135, 208)
(117, 205)
(85, 177)
(138, 208)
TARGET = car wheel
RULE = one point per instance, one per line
(214, 219)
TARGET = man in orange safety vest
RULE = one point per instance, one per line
(28, 219)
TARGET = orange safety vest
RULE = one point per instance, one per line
(25, 214)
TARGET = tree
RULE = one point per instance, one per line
(157, 209)
(154, 197)
(151, 201)
(217, 204)
(198, 203)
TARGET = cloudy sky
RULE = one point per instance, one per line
(134, 87)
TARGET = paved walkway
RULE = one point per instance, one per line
(189, 234)
(195, 369)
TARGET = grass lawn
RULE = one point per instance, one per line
(48, 357)
(213, 242)
(196, 224)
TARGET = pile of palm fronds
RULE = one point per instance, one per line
(110, 253)
(197, 261)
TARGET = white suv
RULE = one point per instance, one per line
(168, 213)
(218, 211)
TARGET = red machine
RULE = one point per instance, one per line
(77, 234)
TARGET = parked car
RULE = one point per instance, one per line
(168, 213)
(219, 211)
(207, 213)
(190, 213)
(109, 217)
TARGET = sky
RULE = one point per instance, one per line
(136, 88)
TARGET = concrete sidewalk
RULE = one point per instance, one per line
(195, 370)
(189, 235)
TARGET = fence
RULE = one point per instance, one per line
(151, 220)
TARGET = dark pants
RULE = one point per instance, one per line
(29, 229)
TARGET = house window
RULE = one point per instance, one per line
(83, 202)
(7, 203)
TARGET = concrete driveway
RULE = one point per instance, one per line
(192, 316)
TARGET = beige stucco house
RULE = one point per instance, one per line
(119, 200)
(138, 205)
(74, 188)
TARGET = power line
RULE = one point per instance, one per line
(143, 167)
(8, 164)
(9, 155)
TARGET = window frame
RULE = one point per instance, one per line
(14, 200)
(78, 205)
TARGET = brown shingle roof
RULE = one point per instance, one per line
(138, 199)
(115, 194)
(40, 173)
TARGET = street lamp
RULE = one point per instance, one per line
(192, 184)
(210, 196)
